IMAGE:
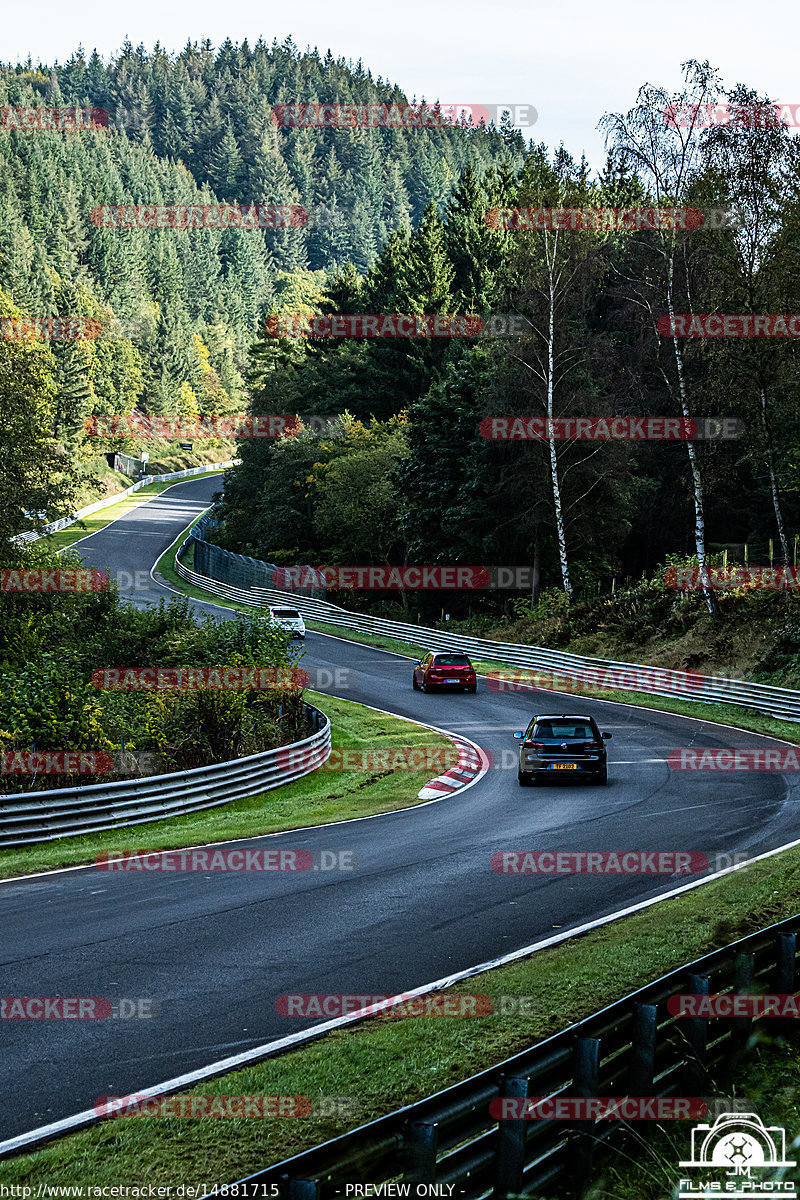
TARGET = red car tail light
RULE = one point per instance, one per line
(593, 745)
(534, 745)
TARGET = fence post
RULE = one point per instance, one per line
(785, 974)
(743, 970)
(696, 1034)
(645, 1023)
(420, 1144)
(586, 1075)
(510, 1154)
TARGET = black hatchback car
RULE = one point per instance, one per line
(562, 746)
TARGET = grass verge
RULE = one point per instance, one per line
(386, 1062)
(104, 516)
(315, 799)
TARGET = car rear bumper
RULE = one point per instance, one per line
(451, 687)
(552, 770)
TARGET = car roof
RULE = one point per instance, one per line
(562, 717)
(435, 652)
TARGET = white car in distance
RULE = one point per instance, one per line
(289, 619)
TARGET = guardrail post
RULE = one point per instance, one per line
(586, 1076)
(785, 974)
(695, 1030)
(420, 1142)
(645, 1024)
(785, 962)
(743, 970)
(510, 1154)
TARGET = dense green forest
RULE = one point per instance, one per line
(179, 309)
(586, 513)
(398, 224)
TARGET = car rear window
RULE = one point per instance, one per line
(285, 612)
(451, 660)
(563, 729)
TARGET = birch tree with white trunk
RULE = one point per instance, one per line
(667, 156)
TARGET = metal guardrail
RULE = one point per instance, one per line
(65, 522)
(575, 668)
(32, 817)
(633, 1048)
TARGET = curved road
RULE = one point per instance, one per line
(216, 950)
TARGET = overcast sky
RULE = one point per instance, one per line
(572, 60)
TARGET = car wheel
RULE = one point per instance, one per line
(472, 689)
(602, 779)
(425, 686)
(525, 779)
(414, 683)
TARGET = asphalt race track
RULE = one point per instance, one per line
(216, 950)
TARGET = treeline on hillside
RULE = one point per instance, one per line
(180, 308)
(582, 512)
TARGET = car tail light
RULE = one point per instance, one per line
(593, 745)
(534, 745)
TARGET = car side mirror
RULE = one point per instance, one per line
(518, 733)
(418, 663)
(606, 737)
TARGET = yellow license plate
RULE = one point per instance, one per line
(563, 766)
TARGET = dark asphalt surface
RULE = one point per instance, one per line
(216, 950)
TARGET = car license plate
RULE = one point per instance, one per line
(452, 681)
(563, 766)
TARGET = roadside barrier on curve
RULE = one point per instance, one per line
(98, 505)
(775, 701)
(32, 817)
